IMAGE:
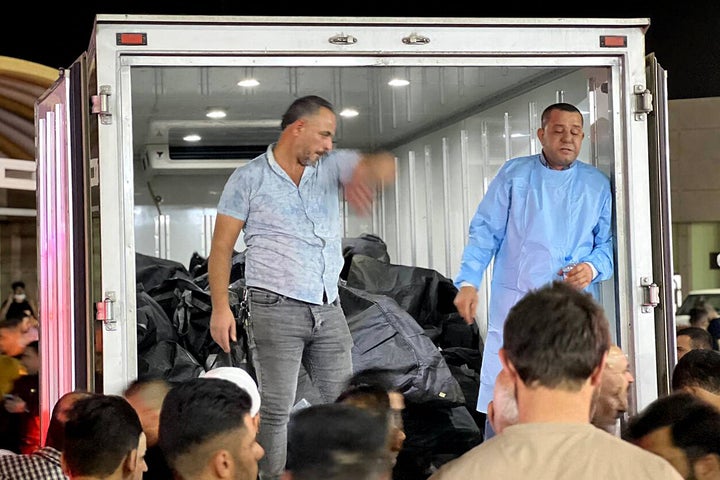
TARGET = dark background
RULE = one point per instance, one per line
(684, 37)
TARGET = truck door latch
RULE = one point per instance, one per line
(415, 39)
(342, 39)
(104, 311)
(651, 295)
(100, 104)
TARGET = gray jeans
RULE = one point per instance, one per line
(286, 332)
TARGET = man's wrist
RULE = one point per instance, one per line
(594, 270)
(467, 284)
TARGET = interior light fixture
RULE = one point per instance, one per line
(349, 113)
(248, 82)
(216, 113)
(398, 82)
(193, 137)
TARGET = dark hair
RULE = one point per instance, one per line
(698, 434)
(377, 376)
(11, 322)
(698, 368)
(698, 314)
(304, 107)
(56, 430)
(19, 284)
(702, 302)
(660, 413)
(35, 345)
(700, 339)
(694, 424)
(565, 107)
(198, 410)
(370, 388)
(372, 396)
(100, 432)
(556, 335)
(335, 441)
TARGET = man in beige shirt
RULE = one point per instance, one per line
(556, 339)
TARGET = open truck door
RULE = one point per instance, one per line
(80, 339)
(661, 291)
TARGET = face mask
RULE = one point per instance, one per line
(19, 297)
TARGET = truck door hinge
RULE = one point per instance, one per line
(100, 104)
(104, 311)
(651, 295)
(643, 102)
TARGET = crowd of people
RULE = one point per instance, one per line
(553, 386)
(19, 369)
(558, 411)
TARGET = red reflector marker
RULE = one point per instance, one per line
(131, 39)
(613, 41)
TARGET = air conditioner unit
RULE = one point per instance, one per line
(165, 158)
(224, 145)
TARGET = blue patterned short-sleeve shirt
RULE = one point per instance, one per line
(293, 233)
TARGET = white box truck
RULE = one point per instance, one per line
(116, 175)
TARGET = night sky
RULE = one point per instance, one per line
(684, 38)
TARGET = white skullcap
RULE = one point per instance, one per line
(242, 379)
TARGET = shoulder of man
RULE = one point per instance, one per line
(472, 464)
(250, 171)
(519, 166)
(637, 458)
(592, 171)
(42, 464)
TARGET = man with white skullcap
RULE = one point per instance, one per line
(240, 378)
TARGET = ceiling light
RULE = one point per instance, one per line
(216, 113)
(248, 82)
(193, 137)
(349, 113)
(398, 82)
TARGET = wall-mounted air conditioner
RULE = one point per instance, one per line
(220, 146)
(165, 158)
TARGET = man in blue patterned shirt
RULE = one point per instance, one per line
(43, 463)
(287, 203)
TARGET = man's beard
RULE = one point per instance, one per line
(311, 159)
(309, 162)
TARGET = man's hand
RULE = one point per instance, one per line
(466, 302)
(222, 327)
(372, 170)
(580, 276)
(360, 196)
(222, 321)
(15, 404)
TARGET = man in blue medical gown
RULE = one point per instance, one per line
(541, 213)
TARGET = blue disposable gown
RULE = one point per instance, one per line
(534, 221)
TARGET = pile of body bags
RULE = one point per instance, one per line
(401, 319)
